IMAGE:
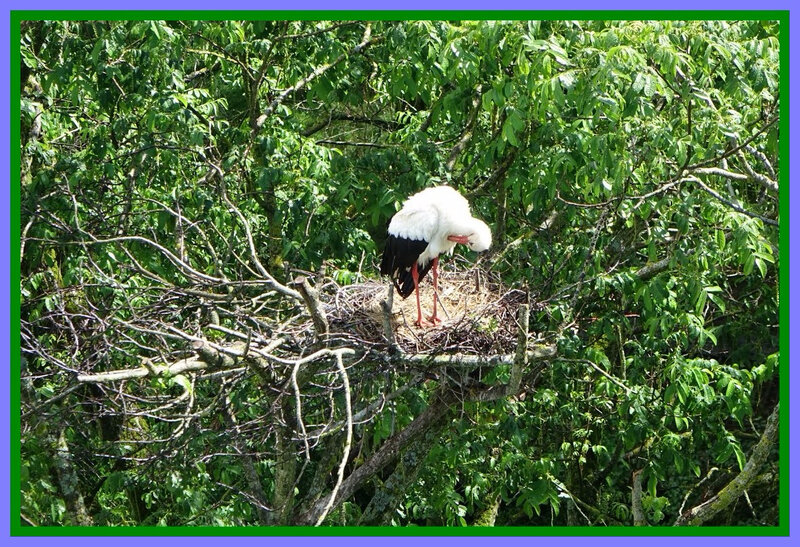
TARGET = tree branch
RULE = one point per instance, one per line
(764, 180)
(649, 270)
(735, 488)
(271, 281)
(366, 41)
(457, 360)
(351, 143)
(521, 356)
(439, 406)
(466, 135)
(315, 309)
(69, 484)
(769, 123)
(730, 204)
(388, 452)
(348, 440)
(383, 124)
(316, 32)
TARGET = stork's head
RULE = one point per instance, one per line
(477, 235)
(481, 237)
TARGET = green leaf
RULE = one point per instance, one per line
(652, 482)
(749, 262)
(732, 388)
(509, 134)
(761, 265)
(183, 381)
(719, 237)
(700, 305)
(740, 458)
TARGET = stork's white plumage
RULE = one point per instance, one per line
(430, 223)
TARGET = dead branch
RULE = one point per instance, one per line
(386, 316)
(388, 451)
(721, 172)
(437, 409)
(69, 484)
(298, 408)
(348, 440)
(271, 281)
(763, 180)
(256, 491)
(457, 361)
(315, 309)
(649, 270)
(612, 379)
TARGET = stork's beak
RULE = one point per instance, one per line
(464, 240)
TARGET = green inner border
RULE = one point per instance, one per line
(407, 15)
(16, 529)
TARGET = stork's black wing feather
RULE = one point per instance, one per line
(399, 255)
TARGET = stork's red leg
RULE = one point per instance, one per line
(415, 277)
(434, 319)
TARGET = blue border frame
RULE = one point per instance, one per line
(415, 5)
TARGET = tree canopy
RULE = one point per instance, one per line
(195, 194)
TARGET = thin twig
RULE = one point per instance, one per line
(299, 409)
(600, 370)
(348, 440)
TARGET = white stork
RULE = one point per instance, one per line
(430, 223)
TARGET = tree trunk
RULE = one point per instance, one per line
(489, 515)
(391, 493)
(285, 470)
(69, 484)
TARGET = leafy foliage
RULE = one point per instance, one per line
(180, 173)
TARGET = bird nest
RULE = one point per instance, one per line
(479, 314)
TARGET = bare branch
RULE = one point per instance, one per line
(388, 451)
(386, 317)
(720, 172)
(649, 270)
(298, 408)
(769, 123)
(271, 281)
(763, 180)
(315, 309)
(423, 424)
(456, 360)
(521, 356)
(69, 484)
(611, 378)
(349, 143)
(316, 32)
(183, 267)
(348, 439)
